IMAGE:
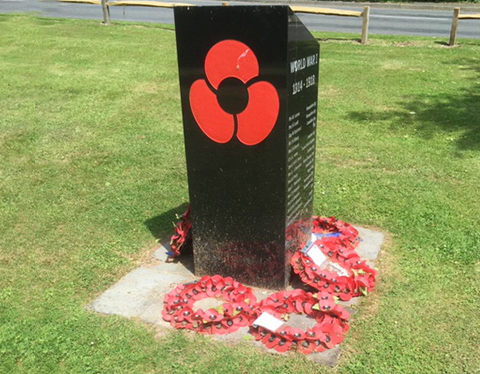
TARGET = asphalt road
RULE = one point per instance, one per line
(422, 22)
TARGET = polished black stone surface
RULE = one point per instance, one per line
(249, 83)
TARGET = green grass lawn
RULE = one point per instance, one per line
(92, 171)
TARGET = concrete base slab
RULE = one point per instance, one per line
(370, 244)
(140, 293)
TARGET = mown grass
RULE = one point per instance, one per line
(92, 170)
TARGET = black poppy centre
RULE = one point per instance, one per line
(232, 95)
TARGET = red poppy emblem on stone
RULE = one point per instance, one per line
(232, 101)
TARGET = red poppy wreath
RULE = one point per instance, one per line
(330, 327)
(330, 263)
(182, 234)
(233, 313)
(334, 228)
(232, 71)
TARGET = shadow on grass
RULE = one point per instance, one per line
(162, 225)
(443, 44)
(440, 112)
(339, 39)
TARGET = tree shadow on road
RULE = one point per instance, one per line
(438, 112)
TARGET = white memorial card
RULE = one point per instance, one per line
(338, 269)
(320, 259)
(314, 252)
(316, 255)
(268, 322)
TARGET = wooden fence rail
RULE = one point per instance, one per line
(297, 9)
(342, 13)
(457, 16)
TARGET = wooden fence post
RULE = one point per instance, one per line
(106, 12)
(453, 31)
(365, 22)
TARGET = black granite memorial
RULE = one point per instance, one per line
(249, 84)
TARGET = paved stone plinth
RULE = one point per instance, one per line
(139, 294)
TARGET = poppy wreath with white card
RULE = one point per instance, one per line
(273, 312)
(237, 303)
(330, 263)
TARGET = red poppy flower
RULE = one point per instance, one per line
(326, 301)
(265, 337)
(210, 315)
(217, 280)
(272, 341)
(283, 345)
(212, 291)
(296, 334)
(237, 308)
(341, 313)
(230, 99)
(239, 293)
(315, 333)
(261, 334)
(333, 335)
(362, 281)
(305, 305)
(167, 314)
(183, 314)
(240, 320)
(271, 300)
(229, 282)
(169, 298)
(306, 347)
